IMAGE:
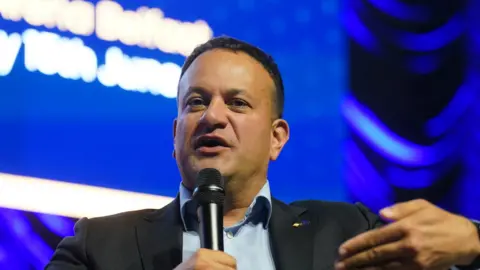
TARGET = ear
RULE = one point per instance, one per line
(280, 136)
(174, 135)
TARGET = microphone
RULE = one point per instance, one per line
(209, 196)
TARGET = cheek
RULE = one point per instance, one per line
(182, 133)
(257, 138)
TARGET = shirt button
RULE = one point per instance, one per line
(229, 235)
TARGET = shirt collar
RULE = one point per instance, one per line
(260, 210)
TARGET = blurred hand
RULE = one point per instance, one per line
(206, 259)
(421, 236)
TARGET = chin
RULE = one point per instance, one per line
(204, 165)
(216, 164)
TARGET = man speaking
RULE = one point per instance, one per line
(230, 104)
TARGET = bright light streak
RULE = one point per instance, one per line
(385, 142)
(71, 200)
(403, 11)
(464, 98)
(433, 40)
(359, 32)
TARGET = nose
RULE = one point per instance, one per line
(215, 116)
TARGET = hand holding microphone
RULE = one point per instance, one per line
(207, 259)
(209, 195)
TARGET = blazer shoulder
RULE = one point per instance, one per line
(123, 217)
(128, 219)
(118, 220)
(352, 216)
(93, 236)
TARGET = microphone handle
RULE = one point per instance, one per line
(211, 226)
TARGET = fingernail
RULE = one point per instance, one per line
(340, 266)
(342, 252)
(387, 212)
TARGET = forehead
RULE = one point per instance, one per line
(220, 70)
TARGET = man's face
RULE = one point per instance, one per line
(225, 117)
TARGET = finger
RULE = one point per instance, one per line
(390, 233)
(395, 265)
(218, 257)
(224, 259)
(387, 266)
(402, 210)
(219, 266)
(379, 255)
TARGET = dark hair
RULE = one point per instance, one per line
(229, 43)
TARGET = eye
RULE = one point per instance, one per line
(195, 101)
(238, 103)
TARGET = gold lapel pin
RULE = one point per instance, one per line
(300, 224)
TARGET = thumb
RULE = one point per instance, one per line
(401, 210)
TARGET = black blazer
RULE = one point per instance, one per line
(152, 239)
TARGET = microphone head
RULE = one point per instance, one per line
(209, 187)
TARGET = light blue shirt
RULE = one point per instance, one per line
(247, 241)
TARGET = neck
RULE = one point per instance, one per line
(240, 192)
(239, 195)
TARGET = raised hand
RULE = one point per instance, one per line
(421, 236)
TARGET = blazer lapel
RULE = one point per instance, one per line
(291, 237)
(159, 238)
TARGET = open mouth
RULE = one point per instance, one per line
(210, 142)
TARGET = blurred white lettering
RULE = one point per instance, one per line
(148, 28)
(52, 54)
(145, 27)
(139, 74)
(9, 48)
(77, 16)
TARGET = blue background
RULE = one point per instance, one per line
(86, 133)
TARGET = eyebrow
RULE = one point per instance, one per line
(195, 89)
(202, 91)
